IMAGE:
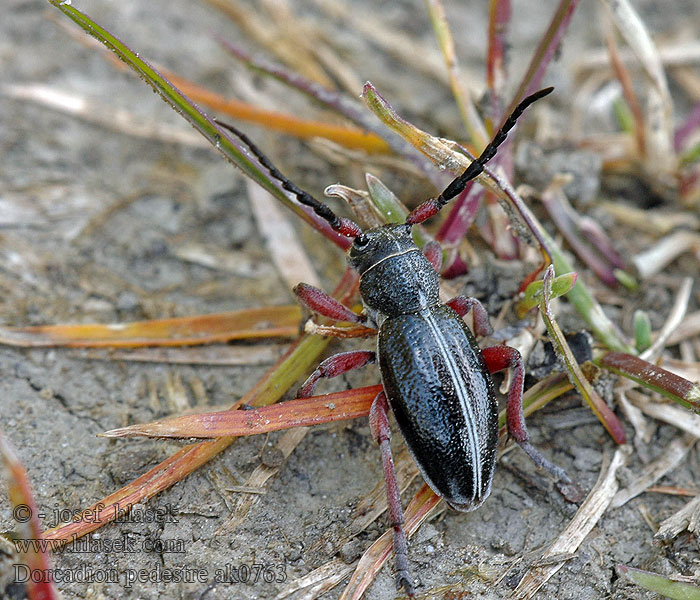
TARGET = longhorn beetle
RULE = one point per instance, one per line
(436, 378)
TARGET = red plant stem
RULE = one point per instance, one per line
(561, 215)
(302, 412)
(499, 18)
(669, 384)
(545, 52)
(461, 216)
(689, 126)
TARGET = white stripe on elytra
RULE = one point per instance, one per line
(462, 395)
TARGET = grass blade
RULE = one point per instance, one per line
(677, 590)
(273, 321)
(35, 563)
(597, 404)
(470, 117)
(302, 412)
(216, 135)
(655, 378)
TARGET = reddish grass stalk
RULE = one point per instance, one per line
(302, 412)
(625, 80)
(545, 52)
(35, 560)
(654, 378)
(689, 126)
(496, 71)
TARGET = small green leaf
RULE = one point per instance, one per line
(385, 201)
(691, 155)
(626, 279)
(677, 590)
(624, 116)
(642, 330)
(533, 293)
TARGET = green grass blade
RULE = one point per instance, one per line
(677, 590)
(217, 136)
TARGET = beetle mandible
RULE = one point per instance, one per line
(436, 379)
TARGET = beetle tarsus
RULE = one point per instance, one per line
(536, 456)
(381, 432)
(403, 580)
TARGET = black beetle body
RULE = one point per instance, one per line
(434, 374)
(436, 378)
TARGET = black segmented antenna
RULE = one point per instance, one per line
(489, 152)
(341, 225)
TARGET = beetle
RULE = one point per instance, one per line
(436, 379)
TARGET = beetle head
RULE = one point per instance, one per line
(376, 245)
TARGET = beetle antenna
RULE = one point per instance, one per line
(343, 226)
(431, 207)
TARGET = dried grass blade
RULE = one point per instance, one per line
(435, 149)
(259, 477)
(218, 354)
(578, 528)
(687, 518)
(318, 581)
(119, 120)
(253, 323)
(652, 260)
(673, 415)
(39, 584)
(281, 240)
(301, 412)
(470, 117)
(660, 156)
(673, 321)
(671, 457)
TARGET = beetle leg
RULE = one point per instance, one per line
(463, 304)
(321, 303)
(334, 366)
(499, 358)
(433, 252)
(381, 432)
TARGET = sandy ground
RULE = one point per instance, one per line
(91, 221)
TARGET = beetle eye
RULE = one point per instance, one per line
(361, 241)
